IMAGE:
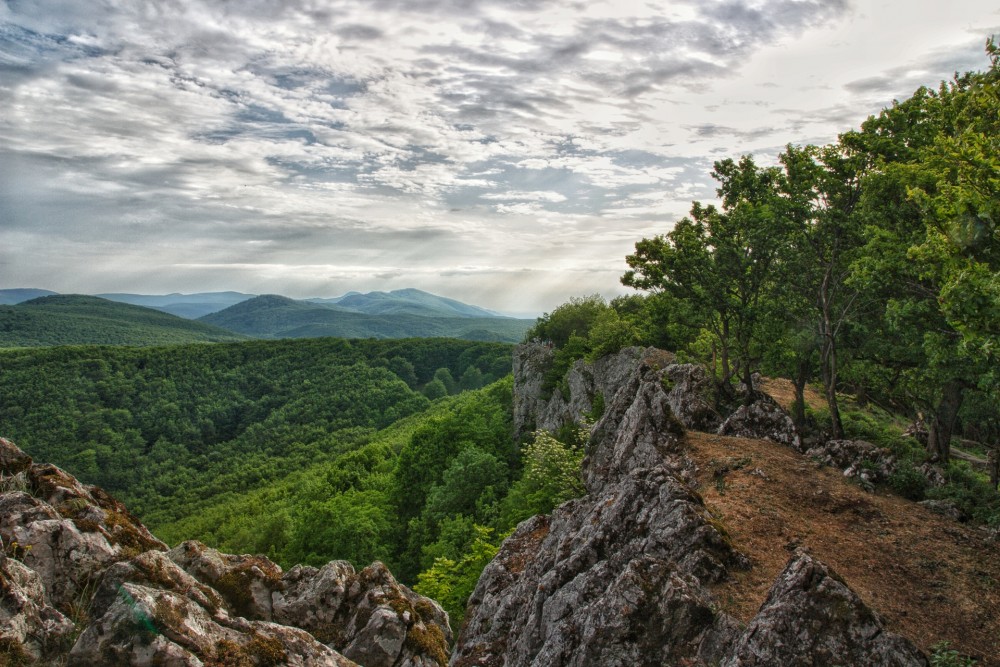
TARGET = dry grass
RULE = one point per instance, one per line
(930, 578)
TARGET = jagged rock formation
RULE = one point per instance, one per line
(82, 582)
(622, 576)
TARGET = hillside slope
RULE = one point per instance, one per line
(717, 549)
(931, 578)
(407, 302)
(88, 320)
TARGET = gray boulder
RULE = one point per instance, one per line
(857, 459)
(812, 618)
(762, 419)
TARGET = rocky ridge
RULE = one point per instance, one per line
(623, 576)
(83, 582)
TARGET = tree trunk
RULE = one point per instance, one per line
(829, 358)
(799, 406)
(993, 461)
(726, 372)
(830, 385)
(748, 383)
(942, 422)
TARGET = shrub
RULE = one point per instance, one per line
(908, 482)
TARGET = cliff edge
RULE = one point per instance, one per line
(625, 575)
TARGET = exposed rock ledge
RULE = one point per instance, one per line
(623, 575)
(75, 563)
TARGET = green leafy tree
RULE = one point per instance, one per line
(435, 389)
(724, 262)
(451, 581)
(551, 477)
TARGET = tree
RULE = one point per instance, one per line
(435, 389)
(725, 262)
(932, 249)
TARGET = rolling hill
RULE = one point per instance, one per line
(89, 320)
(406, 302)
(188, 306)
(272, 316)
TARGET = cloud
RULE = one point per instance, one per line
(197, 144)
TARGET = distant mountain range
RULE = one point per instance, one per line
(192, 306)
(36, 317)
(89, 320)
(273, 316)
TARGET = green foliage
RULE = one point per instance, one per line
(173, 430)
(908, 482)
(451, 581)
(354, 525)
(574, 318)
(970, 492)
(943, 656)
(88, 320)
(551, 477)
(435, 389)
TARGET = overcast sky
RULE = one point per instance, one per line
(508, 153)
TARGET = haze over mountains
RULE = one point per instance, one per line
(34, 317)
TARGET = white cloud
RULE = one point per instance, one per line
(260, 146)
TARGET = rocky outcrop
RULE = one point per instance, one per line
(76, 563)
(30, 629)
(616, 578)
(538, 407)
(857, 459)
(690, 391)
(763, 419)
(622, 576)
(811, 617)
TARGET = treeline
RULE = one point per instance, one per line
(170, 429)
(870, 265)
(303, 450)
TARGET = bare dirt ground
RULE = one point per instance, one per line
(930, 578)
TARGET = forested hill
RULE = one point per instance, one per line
(88, 320)
(272, 316)
(170, 429)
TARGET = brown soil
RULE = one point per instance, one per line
(930, 578)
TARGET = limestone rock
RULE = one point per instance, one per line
(944, 508)
(245, 582)
(368, 616)
(12, 459)
(811, 617)
(66, 559)
(386, 624)
(83, 550)
(535, 411)
(933, 474)
(692, 396)
(860, 460)
(763, 419)
(615, 578)
(29, 628)
(153, 569)
(150, 626)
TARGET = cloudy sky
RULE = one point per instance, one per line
(507, 153)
